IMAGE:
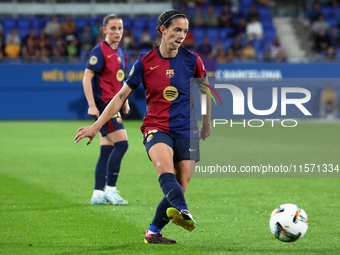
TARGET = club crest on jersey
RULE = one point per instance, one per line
(170, 73)
(170, 93)
(149, 138)
(119, 60)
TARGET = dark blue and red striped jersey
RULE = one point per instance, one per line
(109, 66)
(168, 83)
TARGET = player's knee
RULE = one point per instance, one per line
(122, 146)
(162, 168)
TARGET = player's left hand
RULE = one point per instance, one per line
(205, 130)
(85, 132)
(126, 107)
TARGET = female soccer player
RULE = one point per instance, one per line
(102, 80)
(170, 130)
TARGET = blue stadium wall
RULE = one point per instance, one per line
(47, 92)
(54, 91)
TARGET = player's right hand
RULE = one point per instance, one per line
(93, 111)
(205, 130)
(85, 132)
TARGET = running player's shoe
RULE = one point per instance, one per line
(114, 198)
(157, 238)
(181, 218)
(99, 201)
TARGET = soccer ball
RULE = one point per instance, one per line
(288, 223)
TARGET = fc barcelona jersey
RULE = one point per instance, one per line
(109, 66)
(168, 83)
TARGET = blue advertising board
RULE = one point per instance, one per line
(45, 92)
(42, 91)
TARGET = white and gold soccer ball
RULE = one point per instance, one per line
(288, 223)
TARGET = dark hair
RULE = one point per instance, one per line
(109, 17)
(167, 17)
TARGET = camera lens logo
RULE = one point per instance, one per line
(209, 93)
(170, 93)
(204, 97)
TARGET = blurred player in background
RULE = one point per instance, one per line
(102, 80)
(171, 134)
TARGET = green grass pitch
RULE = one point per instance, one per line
(46, 183)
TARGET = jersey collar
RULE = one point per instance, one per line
(110, 46)
(160, 55)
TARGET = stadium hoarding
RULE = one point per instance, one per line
(54, 91)
(47, 92)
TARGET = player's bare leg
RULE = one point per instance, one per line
(113, 137)
(184, 171)
(161, 155)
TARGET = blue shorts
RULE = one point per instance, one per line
(115, 123)
(183, 148)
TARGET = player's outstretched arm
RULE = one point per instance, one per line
(205, 129)
(111, 109)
